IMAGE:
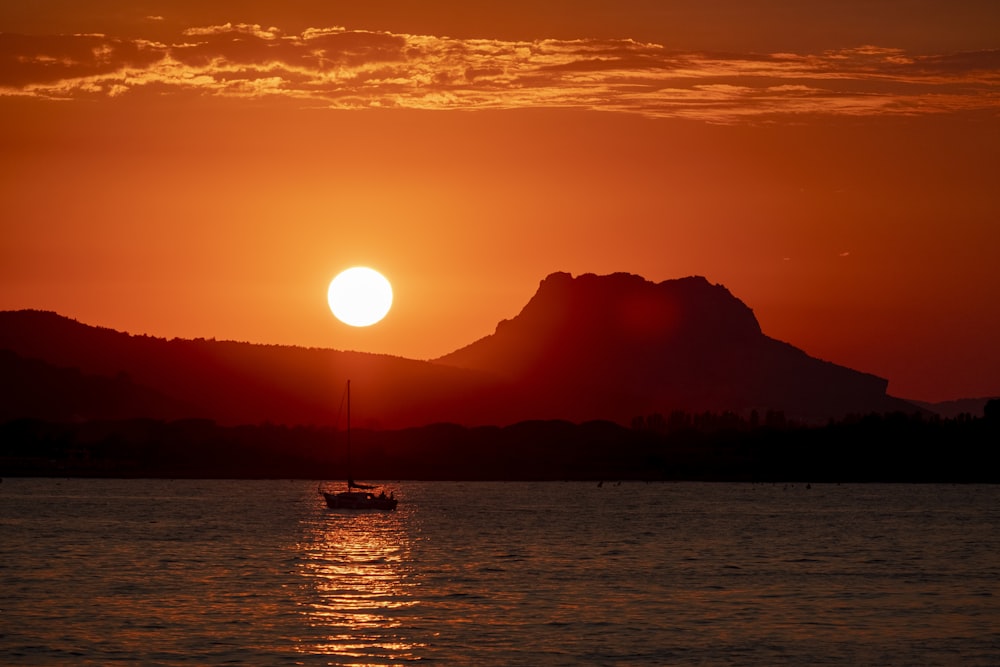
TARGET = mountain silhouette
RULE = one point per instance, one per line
(242, 383)
(591, 347)
(618, 345)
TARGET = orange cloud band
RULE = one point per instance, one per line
(349, 69)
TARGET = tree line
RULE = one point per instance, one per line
(917, 447)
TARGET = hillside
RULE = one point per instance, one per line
(610, 346)
(592, 347)
(241, 383)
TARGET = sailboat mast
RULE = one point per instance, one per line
(350, 473)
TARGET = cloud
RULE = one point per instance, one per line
(339, 68)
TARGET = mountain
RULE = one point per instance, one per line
(591, 347)
(237, 383)
(618, 345)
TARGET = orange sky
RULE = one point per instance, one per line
(181, 170)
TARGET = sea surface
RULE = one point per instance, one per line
(105, 572)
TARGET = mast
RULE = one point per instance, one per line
(350, 475)
(351, 484)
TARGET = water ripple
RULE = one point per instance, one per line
(100, 572)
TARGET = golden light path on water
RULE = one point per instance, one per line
(360, 590)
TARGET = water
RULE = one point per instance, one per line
(260, 572)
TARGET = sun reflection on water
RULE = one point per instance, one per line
(359, 588)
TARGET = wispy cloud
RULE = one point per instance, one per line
(347, 69)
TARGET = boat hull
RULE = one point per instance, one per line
(354, 500)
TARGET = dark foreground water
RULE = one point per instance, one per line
(253, 572)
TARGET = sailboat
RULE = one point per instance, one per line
(357, 496)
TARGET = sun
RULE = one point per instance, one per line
(359, 296)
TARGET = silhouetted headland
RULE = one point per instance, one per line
(616, 346)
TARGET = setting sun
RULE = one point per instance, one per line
(360, 296)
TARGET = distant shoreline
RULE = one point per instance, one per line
(871, 448)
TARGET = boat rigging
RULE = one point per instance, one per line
(357, 496)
